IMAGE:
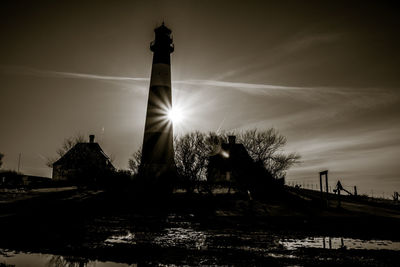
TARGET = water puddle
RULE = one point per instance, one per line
(339, 242)
(129, 238)
(184, 233)
(182, 237)
(254, 243)
(12, 258)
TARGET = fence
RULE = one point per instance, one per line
(312, 185)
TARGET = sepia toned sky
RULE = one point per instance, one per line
(324, 73)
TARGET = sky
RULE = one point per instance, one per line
(325, 74)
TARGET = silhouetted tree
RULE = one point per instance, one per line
(134, 161)
(1, 159)
(266, 147)
(192, 152)
(67, 144)
(191, 157)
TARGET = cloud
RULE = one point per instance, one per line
(363, 164)
(306, 40)
(278, 55)
(251, 88)
(60, 74)
(96, 77)
(301, 106)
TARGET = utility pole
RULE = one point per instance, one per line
(321, 174)
(19, 161)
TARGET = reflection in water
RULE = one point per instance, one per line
(182, 237)
(129, 238)
(37, 259)
(339, 242)
(61, 261)
(184, 233)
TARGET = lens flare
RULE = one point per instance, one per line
(175, 115)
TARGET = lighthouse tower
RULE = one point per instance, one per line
(158, 150)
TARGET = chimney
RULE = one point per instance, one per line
(232, 139)
(91, 138)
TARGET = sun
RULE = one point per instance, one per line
(175, 115)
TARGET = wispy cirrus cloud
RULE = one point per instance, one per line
(258, 88)
(251, 88)
(17, 70)
(75, 75)
(313, 94)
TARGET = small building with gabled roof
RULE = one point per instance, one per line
(229, 159)
(84, 162)
(232, 165)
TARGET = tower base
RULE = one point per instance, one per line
(158, 178)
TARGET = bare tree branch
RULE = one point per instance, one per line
(191, 156)
(134, 161)
(265, 147)
(67, 144)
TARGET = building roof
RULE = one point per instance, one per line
(230, 155)
(82, 151)
(233, 157)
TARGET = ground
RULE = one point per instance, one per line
(81, 226)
